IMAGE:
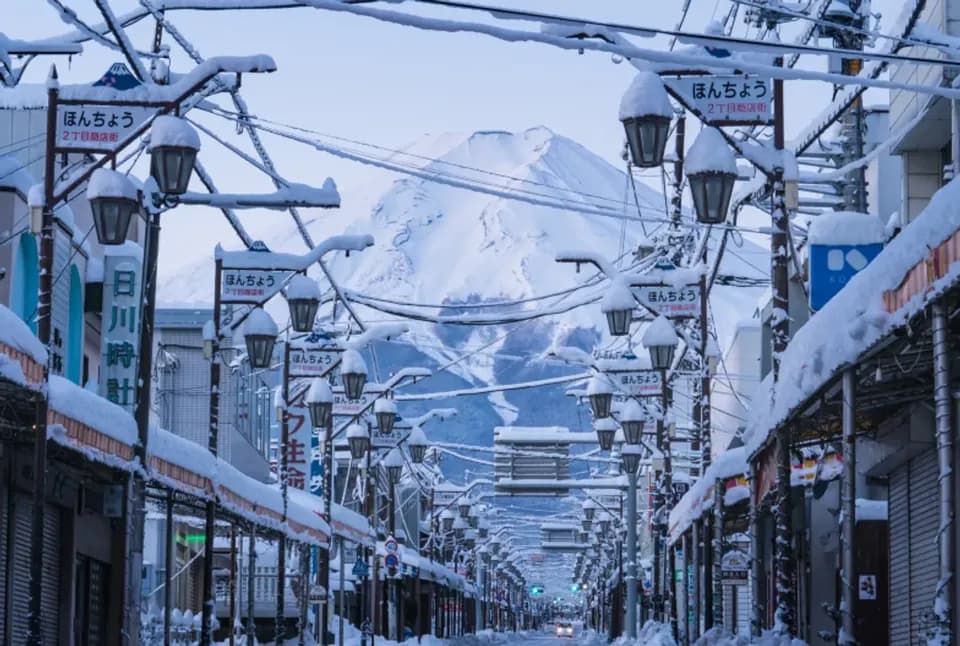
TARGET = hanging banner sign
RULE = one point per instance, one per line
(100, 128)
(350, 407)
(312, 361)
(443, 498)
(635, 383)
(671, 301)
(249, 285)
(300, 444)
(727, 100)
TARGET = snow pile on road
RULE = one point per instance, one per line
(720, 636)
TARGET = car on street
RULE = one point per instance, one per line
(565, 629)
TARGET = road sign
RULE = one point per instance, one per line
(318, 594)
(636, 383)
(672, 301)
(360, 568)
(727, 100)
(832, 266)
(312, 361)
(391, 545)
(391, 560)
(250, 286)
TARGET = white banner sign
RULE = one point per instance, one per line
(120, 330)
(312, 362)
(97, 127)
(349, 407)
(249, 285)
(636, 383)
(727, 99)
(673, 302)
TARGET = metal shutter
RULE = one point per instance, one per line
(924, 560)
(20, 588)
(4, 535)
(899, 515)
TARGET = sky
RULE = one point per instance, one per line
(388, 85)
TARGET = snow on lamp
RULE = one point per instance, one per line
(446, 519)
(661, 341)
(606, 429)
(353, 371)
(586, 524)
(319, 400)
(173, 152)
(630, 457)
(646, 112)
(358, 440)
(483, 528)
(417, 444)
(393, 465)
(632, 419)
(259, 335)
(113, 202)
(600, 394)
(464, 507)
(386, 412)
(617, 305)
(303, 299)
(460, 527)
(711, 169)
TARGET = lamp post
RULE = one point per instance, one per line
(661, 341)
(353, 371)
(319, 401)
(303, 300)
(606, 429)
(393, 466)
(617, 306)
(630, 455)
(632, 419)
(600, 394)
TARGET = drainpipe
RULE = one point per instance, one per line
(848, 632)
(946, 537)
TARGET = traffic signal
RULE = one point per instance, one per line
(536, 590)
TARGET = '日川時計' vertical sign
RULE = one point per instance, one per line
(121, 324)
(727, 100)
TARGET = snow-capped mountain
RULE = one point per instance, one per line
(438, 243)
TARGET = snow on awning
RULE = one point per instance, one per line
(24, 355)
(913, 269)
(350, 525)
(82, 420)
(699, 497)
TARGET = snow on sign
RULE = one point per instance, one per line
(96, 127)
(727, 100)
(671, 301)
(841, 245)
(252, 286)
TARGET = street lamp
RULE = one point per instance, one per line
(358, 440)
(586, 524)
(632, 419)
(260, 335)
(319, 400)
(606, 429)
(113, 202)
(600, 394)
(303, 299)
(446, 518)
(711, 169)
(460, 527)
(464, 507)
(630, 456)
(661, 340)
(173, 151)
(393, 465)
(386, 411)
(589, 509)
(353, 370)
(417, 444)
(645, 112)
(617, 305)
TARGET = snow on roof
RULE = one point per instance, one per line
(856, 318)
(645, 96)
(105, 182)
(17, 335)
(168, 130)
(660, 333)
(306, 508)
(302, 287)
(845, 228)
(729, 464)
(710, 153)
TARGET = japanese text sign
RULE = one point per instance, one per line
(97, 127)
(249, 285)
(312, 361)
(121, 329)
(729, 100)
(636, 383)
(299, 441)
(672, 302)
